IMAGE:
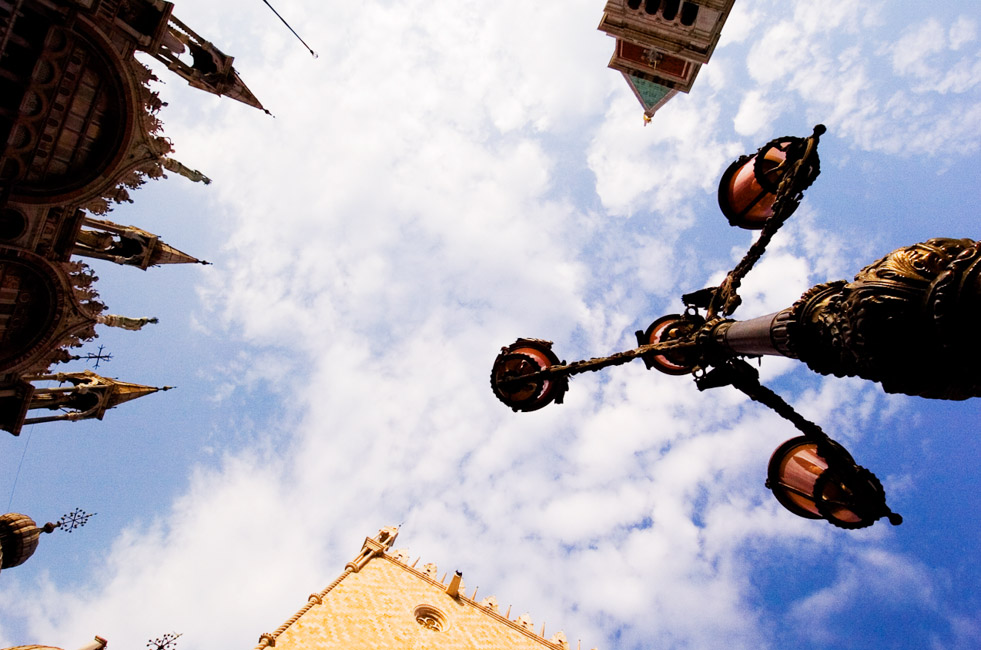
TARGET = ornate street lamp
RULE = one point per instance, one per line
(907, 322)
(522, 358)
(748, 187)
(818, 479)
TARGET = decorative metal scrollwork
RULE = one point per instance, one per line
(908, 321)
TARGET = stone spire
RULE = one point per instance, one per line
(126, 245)
(199, 62)
(88, 396)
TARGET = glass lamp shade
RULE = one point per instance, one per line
(818, 479)
(521, 358)
(748, 187)
(669, 328)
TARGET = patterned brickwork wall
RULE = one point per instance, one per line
(388, 606)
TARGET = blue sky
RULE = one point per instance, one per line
(445, 178)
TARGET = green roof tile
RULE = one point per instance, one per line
(651, 93)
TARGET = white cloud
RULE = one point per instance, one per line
(662, 165)
(441, 181)
(755, 113)
(914, 47)
(845, 86)
(918, 53)
(873, 579)
(963, 31)
(743, 20)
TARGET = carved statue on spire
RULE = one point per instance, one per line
(82, 395)
(176, 166)
(121, 248)
(124, 322)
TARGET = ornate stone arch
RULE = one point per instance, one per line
(38, 309)
(76, 120)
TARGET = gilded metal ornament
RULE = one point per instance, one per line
(907, 321)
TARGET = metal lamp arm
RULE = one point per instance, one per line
(739, 374)
(598, 363)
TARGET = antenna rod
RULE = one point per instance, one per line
(291, 29)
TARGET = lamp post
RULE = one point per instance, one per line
(907, 321)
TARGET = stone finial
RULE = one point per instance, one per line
(559, 639)
(98, 644)
(400, 555)
(373, 547)
(525, 621)
(490, 603)
(429, 570)
(387, 536)
(456, 586)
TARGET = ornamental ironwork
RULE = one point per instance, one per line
(74, 519)
(166, 642)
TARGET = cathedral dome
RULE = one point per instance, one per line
(19, 537)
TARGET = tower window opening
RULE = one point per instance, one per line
(689, 12)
